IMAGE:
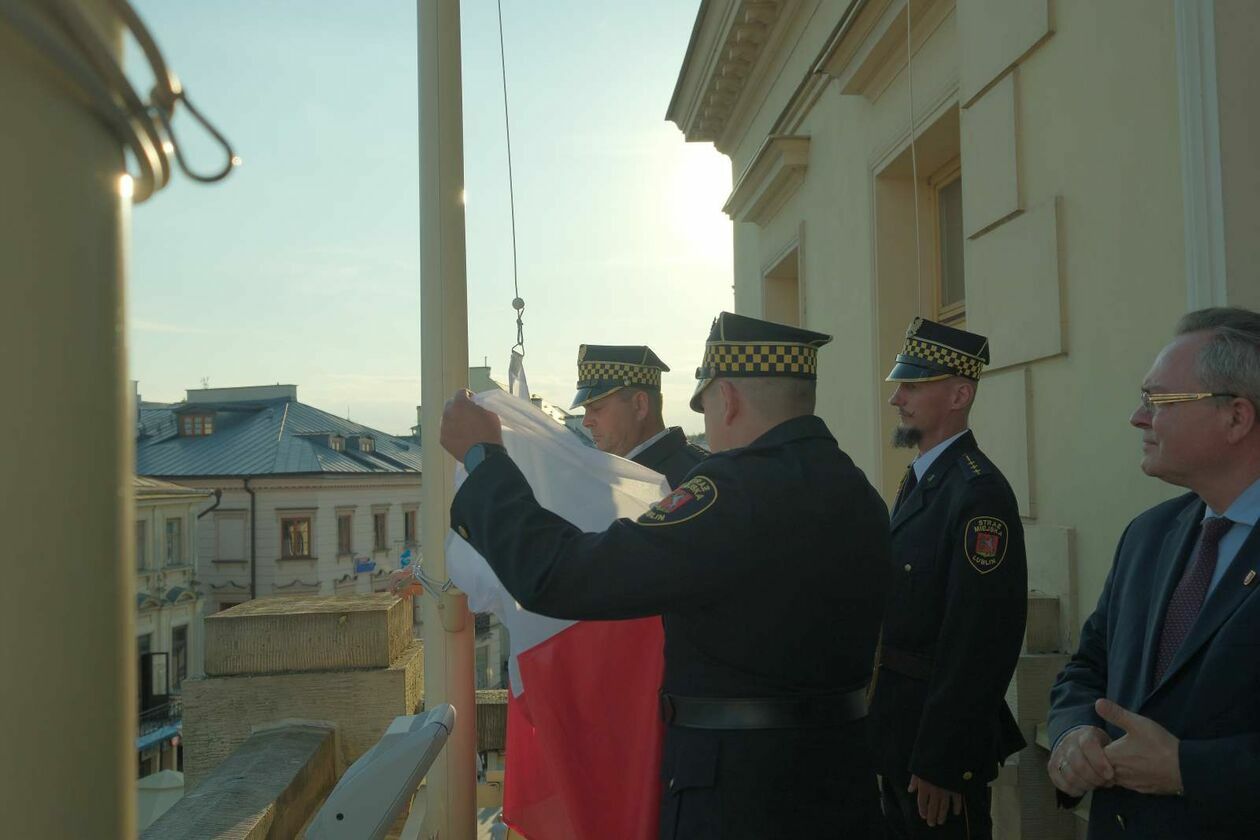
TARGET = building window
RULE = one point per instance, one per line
(179, 656)
(409, 527)
(781, 289)
(367, 444)
(295, 538)
(345, 522)
(174, 542)
(142, 546)
(948, 268)
(196, 425)
(380, 532)
(337, 443)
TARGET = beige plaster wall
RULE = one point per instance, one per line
(1097, 181)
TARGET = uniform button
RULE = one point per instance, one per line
(671, 784)
(462, 531)
(907, 567)
(967, 776)
(1120, 820)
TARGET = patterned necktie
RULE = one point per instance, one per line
(907, 486)
(1187, 600)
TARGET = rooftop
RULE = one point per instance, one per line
(263, 431)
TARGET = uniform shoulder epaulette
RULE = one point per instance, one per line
(974, 465)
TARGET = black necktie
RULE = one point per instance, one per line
(907, 487)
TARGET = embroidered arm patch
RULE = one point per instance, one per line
(692, 498)
(984, 542)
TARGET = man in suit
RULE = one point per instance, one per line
(768, 567)
(620, 387)
(1158, 712)
(955, 622)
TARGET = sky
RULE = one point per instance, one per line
(303, 266)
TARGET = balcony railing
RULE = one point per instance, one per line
(158, 717)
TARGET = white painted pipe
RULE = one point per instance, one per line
(447, 627)
(68, 661)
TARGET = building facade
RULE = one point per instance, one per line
(1066, 177)
(167, 629)
(305, 502)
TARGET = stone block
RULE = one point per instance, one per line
(989, 158)
(307, 633)
(220, 712)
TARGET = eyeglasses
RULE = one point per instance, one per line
(1152, 401)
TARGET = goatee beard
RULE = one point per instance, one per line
(904, 437)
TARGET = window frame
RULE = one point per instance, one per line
(411, 527)
(178, 521)
(142, 545)
(345, 548)
(380, 530)
(179, 659)
(285, 544)
(954, 314)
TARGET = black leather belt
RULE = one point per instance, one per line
(804, 712)
(912, 665)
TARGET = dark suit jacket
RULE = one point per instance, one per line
(958, 604)
(1209, 697)
(672, 456)
(768, 565)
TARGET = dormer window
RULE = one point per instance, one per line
(336, 443)
(196, 425)
(367, 444)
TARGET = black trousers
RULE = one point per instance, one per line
(902, 820)
(768, 785)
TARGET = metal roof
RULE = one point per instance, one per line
(267, 437)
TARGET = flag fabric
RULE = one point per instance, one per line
(584, 733)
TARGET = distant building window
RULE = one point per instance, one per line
(781, 289)
(295, 537)
(950, 286)
(337, 443)
(142, 547)
(380, 532)
(179, 656)
(174, 542)
(367, 444)
(345, 523)
(196, 425)
(409, 527)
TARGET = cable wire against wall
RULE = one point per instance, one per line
(518, 303)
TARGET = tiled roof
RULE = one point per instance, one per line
(267, 437)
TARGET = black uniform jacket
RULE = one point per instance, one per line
(672, 456)
(769, 566)
(958, 606)
(1209, 696)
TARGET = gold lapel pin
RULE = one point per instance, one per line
(1249, 578)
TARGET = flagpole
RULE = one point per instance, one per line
(447, 628)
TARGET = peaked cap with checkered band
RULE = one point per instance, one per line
(934, 351)
(740, 346)
(605, 368)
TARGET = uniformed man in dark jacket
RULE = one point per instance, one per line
(955, 621)
(769, 566)
(620, 387)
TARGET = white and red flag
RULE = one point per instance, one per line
(584, 733)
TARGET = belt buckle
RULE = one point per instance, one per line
(667, 708)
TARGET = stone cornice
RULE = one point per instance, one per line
(727, 41)
(770, 180)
